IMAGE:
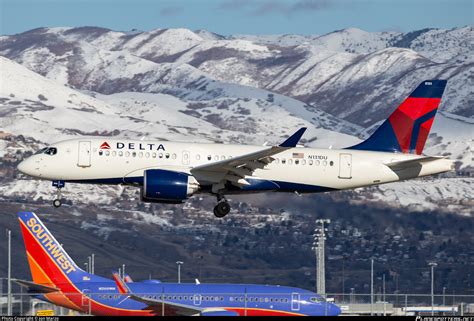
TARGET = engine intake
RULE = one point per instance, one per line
(163, 186)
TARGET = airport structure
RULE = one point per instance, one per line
(36, 298)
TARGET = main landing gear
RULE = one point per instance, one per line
(57, 201)
(222, 208)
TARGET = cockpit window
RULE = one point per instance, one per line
(51, 151)
(48, 151)
(317, 299)
(41, 151)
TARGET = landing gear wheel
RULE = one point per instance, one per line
(221, 209)
(58, 184)
(57, 203)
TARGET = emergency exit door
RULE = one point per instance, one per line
(84, 156)
(345, 166)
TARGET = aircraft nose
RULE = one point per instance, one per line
(26, 167)
(333, 309)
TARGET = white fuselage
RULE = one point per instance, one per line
(297, 169)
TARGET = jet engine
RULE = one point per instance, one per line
(164, 186)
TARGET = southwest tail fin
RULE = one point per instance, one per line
(407, 128)
(49, 264)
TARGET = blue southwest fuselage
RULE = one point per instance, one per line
(59, 280)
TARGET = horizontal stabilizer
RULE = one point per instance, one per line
(33, 287)
(398, 165)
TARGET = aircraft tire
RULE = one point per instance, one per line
(221, 209)
(57, 203)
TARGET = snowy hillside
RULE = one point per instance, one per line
(176, 84)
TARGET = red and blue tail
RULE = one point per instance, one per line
(407, 128)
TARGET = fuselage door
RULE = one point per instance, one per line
(86, 300)
(84, 157)
(186, 157)
(197, 299)
(345, 166)
(295, 301)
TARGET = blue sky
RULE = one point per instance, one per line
(238, 16)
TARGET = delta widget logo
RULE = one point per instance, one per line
(104, 145)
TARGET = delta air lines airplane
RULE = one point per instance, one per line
(57, 279)
(171, 172)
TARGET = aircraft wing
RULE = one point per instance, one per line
(235, 169)
(400, 165)
(33, 287)
(170, 308)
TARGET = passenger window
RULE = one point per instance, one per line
(167, 155)
(147, 155)
(310, 162)
(120, 153)
(283, 161)
(297, 162)
(127, 154)
(173, 156)
(209, 157)
(198, 157)
(216, 157)
(140, 154)
(290, 161)
(317, 163)
(160, 155)
(325, 163)
(331, 163)
(222, 157)
(101, 153)
(107, 153)
(153, 155)
(114, 153)
(303, 162)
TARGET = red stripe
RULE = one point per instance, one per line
(423, 135)
(402, 127)
(415, 107)
(254, 312)
(65, 285)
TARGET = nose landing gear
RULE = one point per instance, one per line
(57, 201)
(222, 208)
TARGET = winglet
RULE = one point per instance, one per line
(293, 139)
(121, 285)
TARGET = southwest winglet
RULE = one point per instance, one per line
(121, 286)
(293, 139)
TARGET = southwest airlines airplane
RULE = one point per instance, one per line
(57, 279)
(170, 172)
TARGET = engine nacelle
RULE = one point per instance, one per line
(163, 186)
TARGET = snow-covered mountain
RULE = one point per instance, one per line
(178, 84)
